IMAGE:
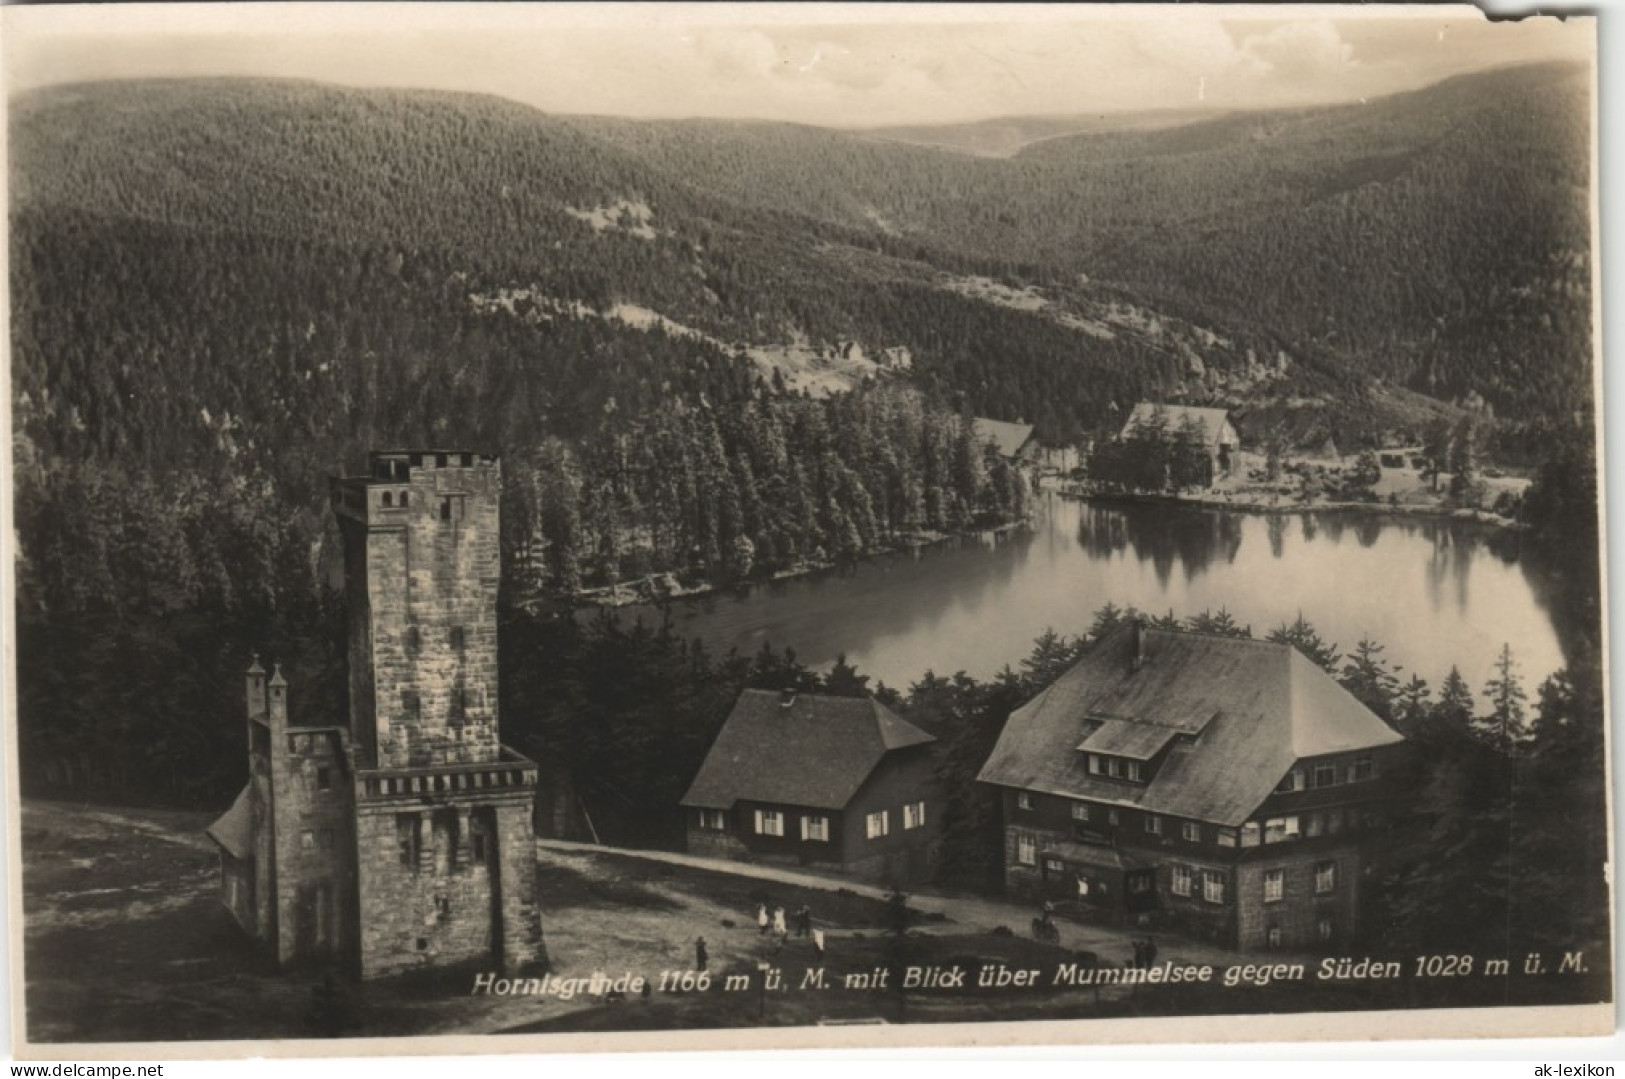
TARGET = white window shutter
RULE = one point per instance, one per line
(759, 824)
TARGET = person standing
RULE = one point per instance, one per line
(761, 917)
(1150, 951)
(701, 956)
(779, 926)
(803, 921)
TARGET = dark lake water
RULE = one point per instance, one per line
(1434, 592)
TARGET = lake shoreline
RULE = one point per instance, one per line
(1266, 509)
(977, 601)
(627, 594)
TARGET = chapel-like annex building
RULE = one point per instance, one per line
(404, 838)
(1226, 787)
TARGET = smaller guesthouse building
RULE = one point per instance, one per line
(841, 783)
(1211, 426)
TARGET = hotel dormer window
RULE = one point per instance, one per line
(1117, 767)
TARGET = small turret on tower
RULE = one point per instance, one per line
(255, 678)
(277, 709)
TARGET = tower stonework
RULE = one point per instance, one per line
(445, 844)
(402, 839)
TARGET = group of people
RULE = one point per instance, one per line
(780, 926)
(776, 922)
(1145, 951)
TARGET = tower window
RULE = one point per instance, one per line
(445, 509)
(407, 841)
(389, 498)
(404, 499)
(457, 637)
(324, 779)
(440, 460)
(459, 703)
(414, 640)
(412, 703)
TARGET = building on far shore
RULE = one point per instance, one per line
(1227, 787)
(401, 838)
(1218, 434)
(1012, 441)
(801, 779)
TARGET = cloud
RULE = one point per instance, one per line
(1307, 50)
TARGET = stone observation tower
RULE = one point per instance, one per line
(424, 853)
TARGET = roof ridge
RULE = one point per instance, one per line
(1221, 637)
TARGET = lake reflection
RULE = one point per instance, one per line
(1435, 592)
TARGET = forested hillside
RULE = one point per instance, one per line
(1436, 239)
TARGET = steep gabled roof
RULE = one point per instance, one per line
(1211, 420)
(1238, 713)
(1007, 438)
(816, 752)
(234, 831)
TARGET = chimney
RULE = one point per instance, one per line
(278, 708)
(1138, 660)
(256, 688)
(787, 697)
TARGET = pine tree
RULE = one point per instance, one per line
(1505, 728)
(1370, 678)
(1108, 618)
(1302, 636)
(1221, 624)
(1052, 656)
(1412, 704)
(843, 680)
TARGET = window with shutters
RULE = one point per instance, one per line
(1274, 885)
(877, 824)
(815, 829)
(769, 822)
(1026, 850)
(1280, 829)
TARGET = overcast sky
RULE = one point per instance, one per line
(835, 65)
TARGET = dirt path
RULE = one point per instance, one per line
(963, 912)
